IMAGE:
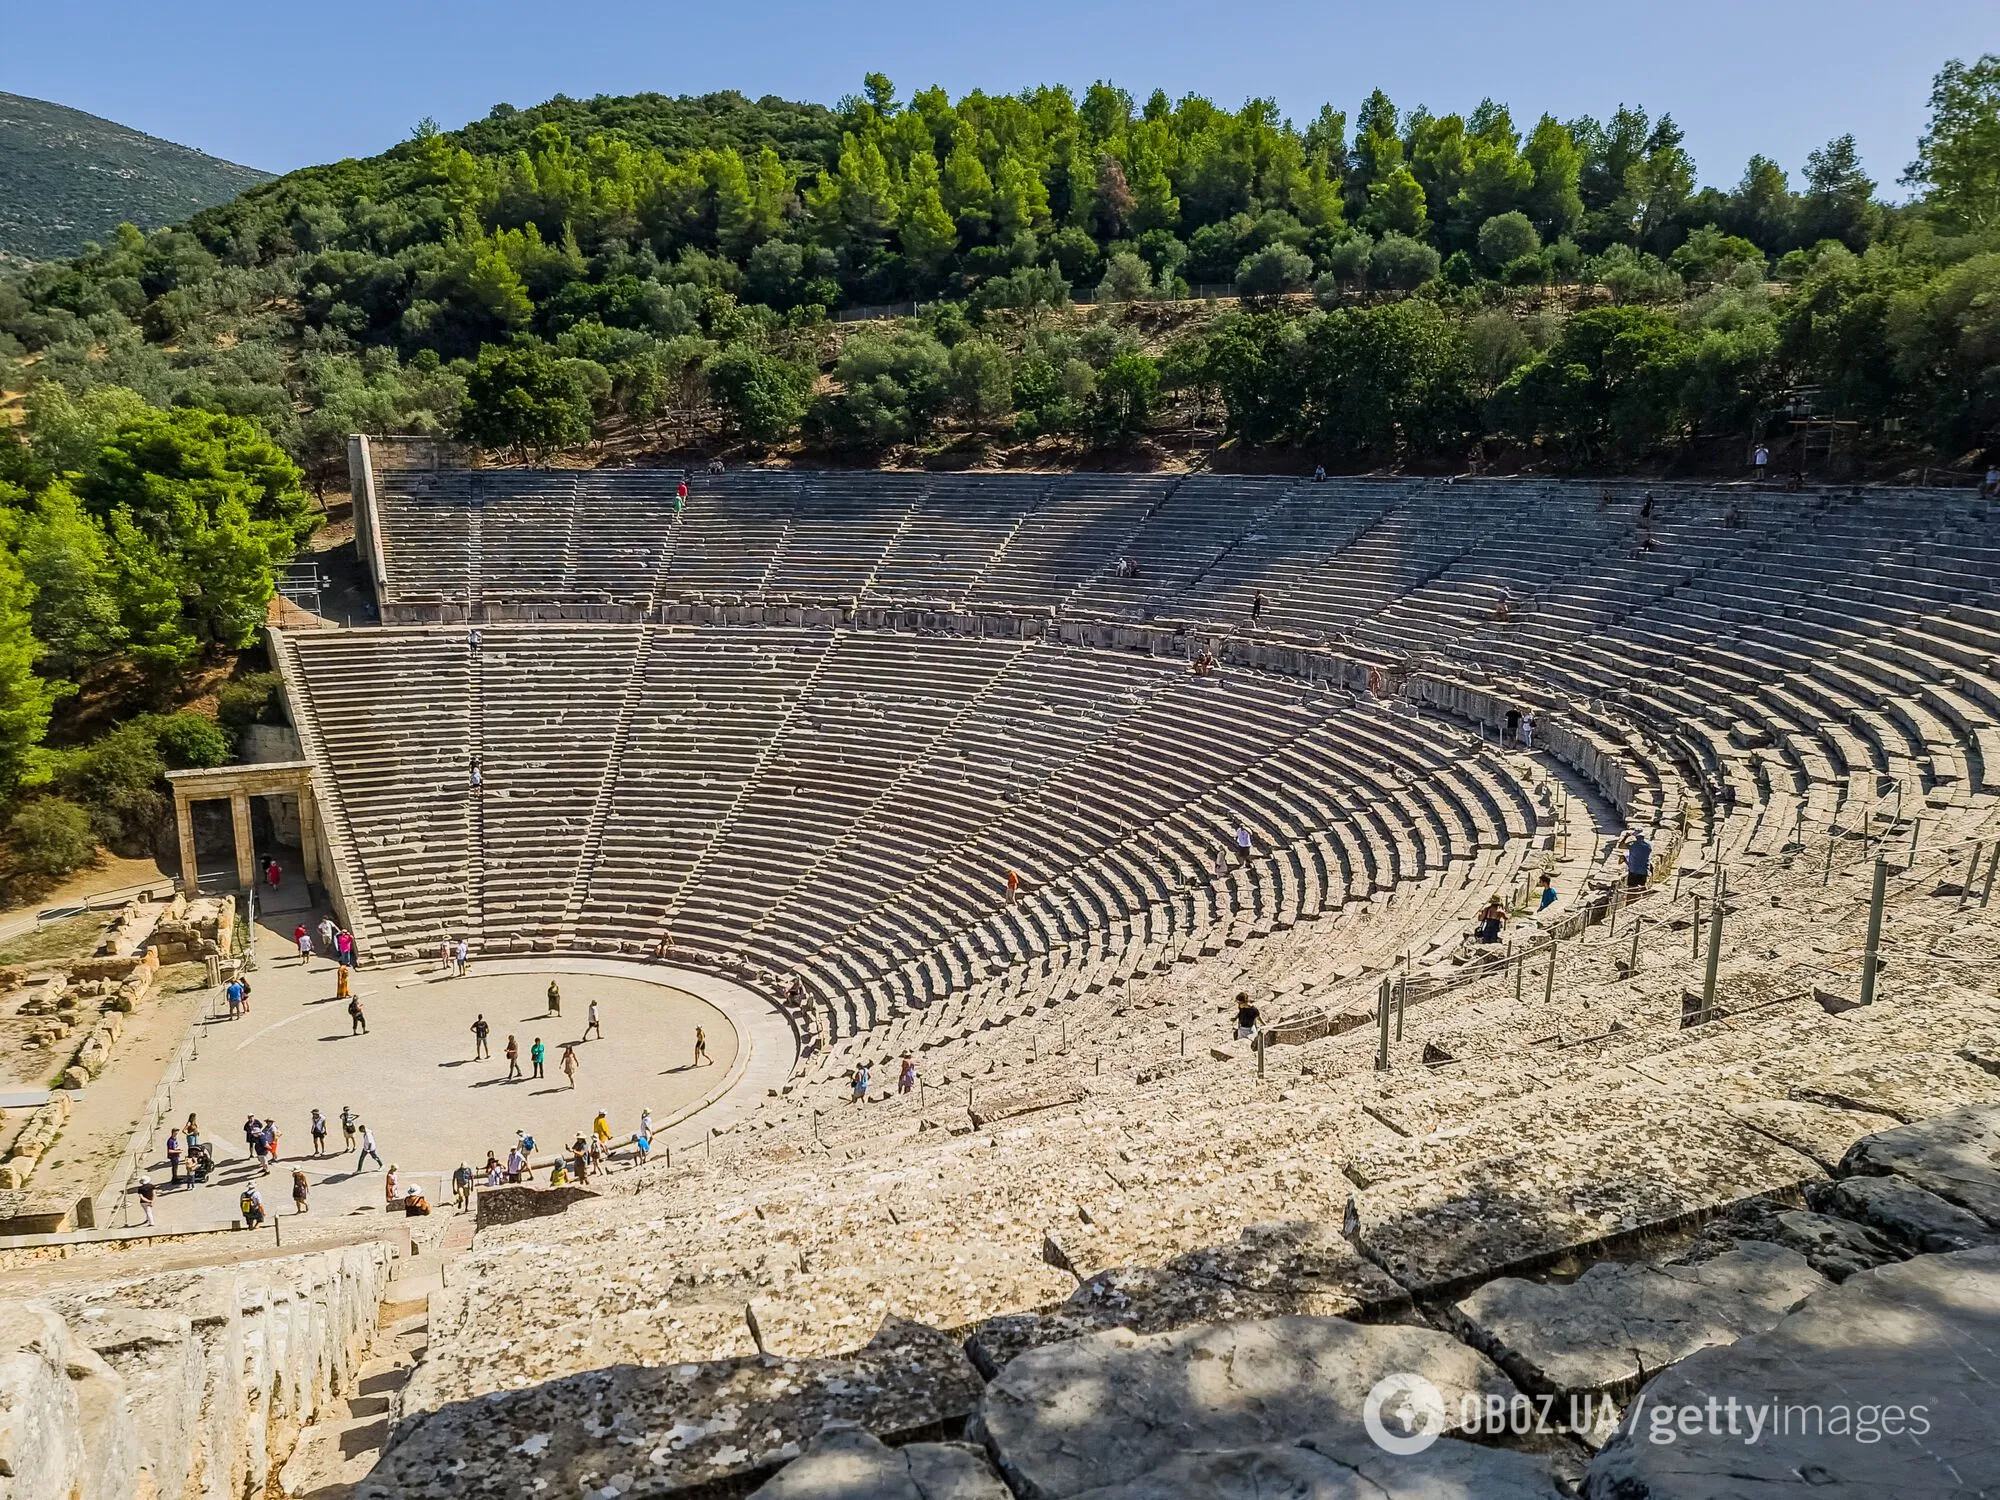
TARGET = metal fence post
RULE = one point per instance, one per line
(1971, 874)
(1260, 1052)
(1714, 954)
(1992, 864)
(1549, 979)
(1872, 955)
(1382, 1023)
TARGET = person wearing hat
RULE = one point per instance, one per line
(1492, 917)
(146, 1198)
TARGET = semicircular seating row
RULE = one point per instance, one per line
(844, 805)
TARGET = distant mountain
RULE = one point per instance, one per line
(67, 177)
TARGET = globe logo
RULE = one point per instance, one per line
(1403, 1413)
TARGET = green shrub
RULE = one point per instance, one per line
(254, 698)
(52, 836)
(189, 740)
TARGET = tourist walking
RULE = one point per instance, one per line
(250, 1203)
(146, 1198)
(536, 1054)
(342, 983)
(299, 1191)
(269, 1144)
(1492, 917)
(1256, 606)
(461, 1187)
(319, 1133)
(858, 1087)
(272, 874)
(1528, 730)
(347, 1125)
(513, 1052)
(906, 1076)
(555, 998)
(462, 956)
(700, 1048)
(343, 947)
(480, 1032)
(326, 932)
(569, 1063)
(1638, 861)
(1243, 842)
(1548, 897)
(304, 939)
(355, 1014)
(593, 1024)
(367, 1149)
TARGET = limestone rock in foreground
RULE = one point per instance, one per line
(1924, 1333)
(1327, 1469)
(1904, 1211)
(1956, 1156)
(1104, 1409)
(848, 1463)
(41, 1441)
(1616, 1324)
(1278, 1269)
(1836, 1248)
(665, 1427)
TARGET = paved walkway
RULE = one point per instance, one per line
(412, 1077)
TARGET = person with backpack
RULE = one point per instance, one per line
(250, 1203)
(347, 1124)
(480, 1032)
(354, 1014)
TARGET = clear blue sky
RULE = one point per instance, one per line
(283, 85)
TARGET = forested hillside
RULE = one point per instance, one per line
(1154, 280)
(67, 178)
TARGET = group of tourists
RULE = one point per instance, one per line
(861, 1078)
(591, 1154)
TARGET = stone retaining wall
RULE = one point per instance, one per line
(185, 1385)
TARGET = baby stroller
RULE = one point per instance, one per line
(201, 1163)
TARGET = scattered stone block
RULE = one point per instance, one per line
(1921, 1334)
(849, 1463)
(1104, 1409)
(1616, 1324)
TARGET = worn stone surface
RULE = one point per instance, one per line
(1820, 1131)
(41, 1437)
(1329, 1469)
(1923, 1333)
(1103, 1409)
(849, 1463)
(1906, 1084)
(1273, 1270)
(675, 1425)
(108, 1435)
(1956, 1156)
(1665, 1164)
(1916, 1218)
(160, 1362)
(1616, 1324)
(1836, 1248)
